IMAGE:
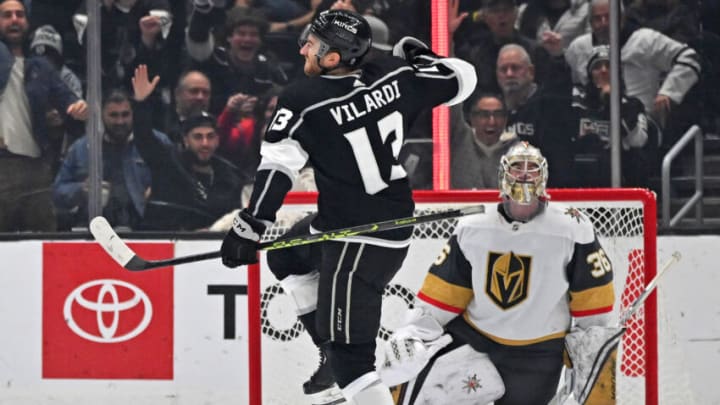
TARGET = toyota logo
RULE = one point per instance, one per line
(101, 305)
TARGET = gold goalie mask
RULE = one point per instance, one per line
(523, 174)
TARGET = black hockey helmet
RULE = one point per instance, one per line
(344, 32)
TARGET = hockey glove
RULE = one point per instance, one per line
(405, 355)
(241, 243)
(412, 50)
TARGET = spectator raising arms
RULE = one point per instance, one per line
(29, 87)
(193, 188)
(482, 45)
(657, 69)
(133, 33)
(548, 20)
(236, 66)
(348, 121)
(126, 177)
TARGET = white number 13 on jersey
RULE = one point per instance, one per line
(365, 158)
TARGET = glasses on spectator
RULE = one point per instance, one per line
(486, 114)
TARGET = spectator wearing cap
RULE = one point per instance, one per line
(192, 187)
(237, 65)
(483, 44)
(29, 87)
(47, 42)
(126, 177)
(591, 140)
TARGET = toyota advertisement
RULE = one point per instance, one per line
(101, 322)
(78, 328)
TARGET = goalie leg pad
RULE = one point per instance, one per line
(330, 396)
(592, 352)
(462, 376)
(603, 391)
(368, 390)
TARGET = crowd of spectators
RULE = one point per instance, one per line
(184, 152)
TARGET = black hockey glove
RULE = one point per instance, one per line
(411, 49)
(241, 243)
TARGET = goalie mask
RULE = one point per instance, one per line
(341, 31)
(523, 174)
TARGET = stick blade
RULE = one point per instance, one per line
(474, 209)
(111, 242)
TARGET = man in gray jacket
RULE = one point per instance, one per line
(476, 147)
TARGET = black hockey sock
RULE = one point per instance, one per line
(308, 321)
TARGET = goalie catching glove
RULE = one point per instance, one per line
(410, 348)
(242, 241)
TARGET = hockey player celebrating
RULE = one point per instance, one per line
(348, 121)
(493, 311)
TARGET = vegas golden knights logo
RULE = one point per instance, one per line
(507, 278)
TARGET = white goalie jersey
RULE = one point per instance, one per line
(520, 283)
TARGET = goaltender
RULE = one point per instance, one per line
(496, 308)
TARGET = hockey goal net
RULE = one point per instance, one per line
(625, 222)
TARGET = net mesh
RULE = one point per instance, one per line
(287, 350)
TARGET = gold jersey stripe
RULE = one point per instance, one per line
(449, 294)
(592, 300)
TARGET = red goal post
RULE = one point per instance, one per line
(618, 215)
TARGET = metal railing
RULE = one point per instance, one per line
(696, 199)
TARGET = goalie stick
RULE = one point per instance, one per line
(104, 234)
(564, 392)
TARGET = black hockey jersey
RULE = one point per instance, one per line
(351, 129)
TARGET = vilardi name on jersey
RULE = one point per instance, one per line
(350, 129)
(373, 100)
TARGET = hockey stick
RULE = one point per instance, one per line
(104, 234)
(564, 392)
